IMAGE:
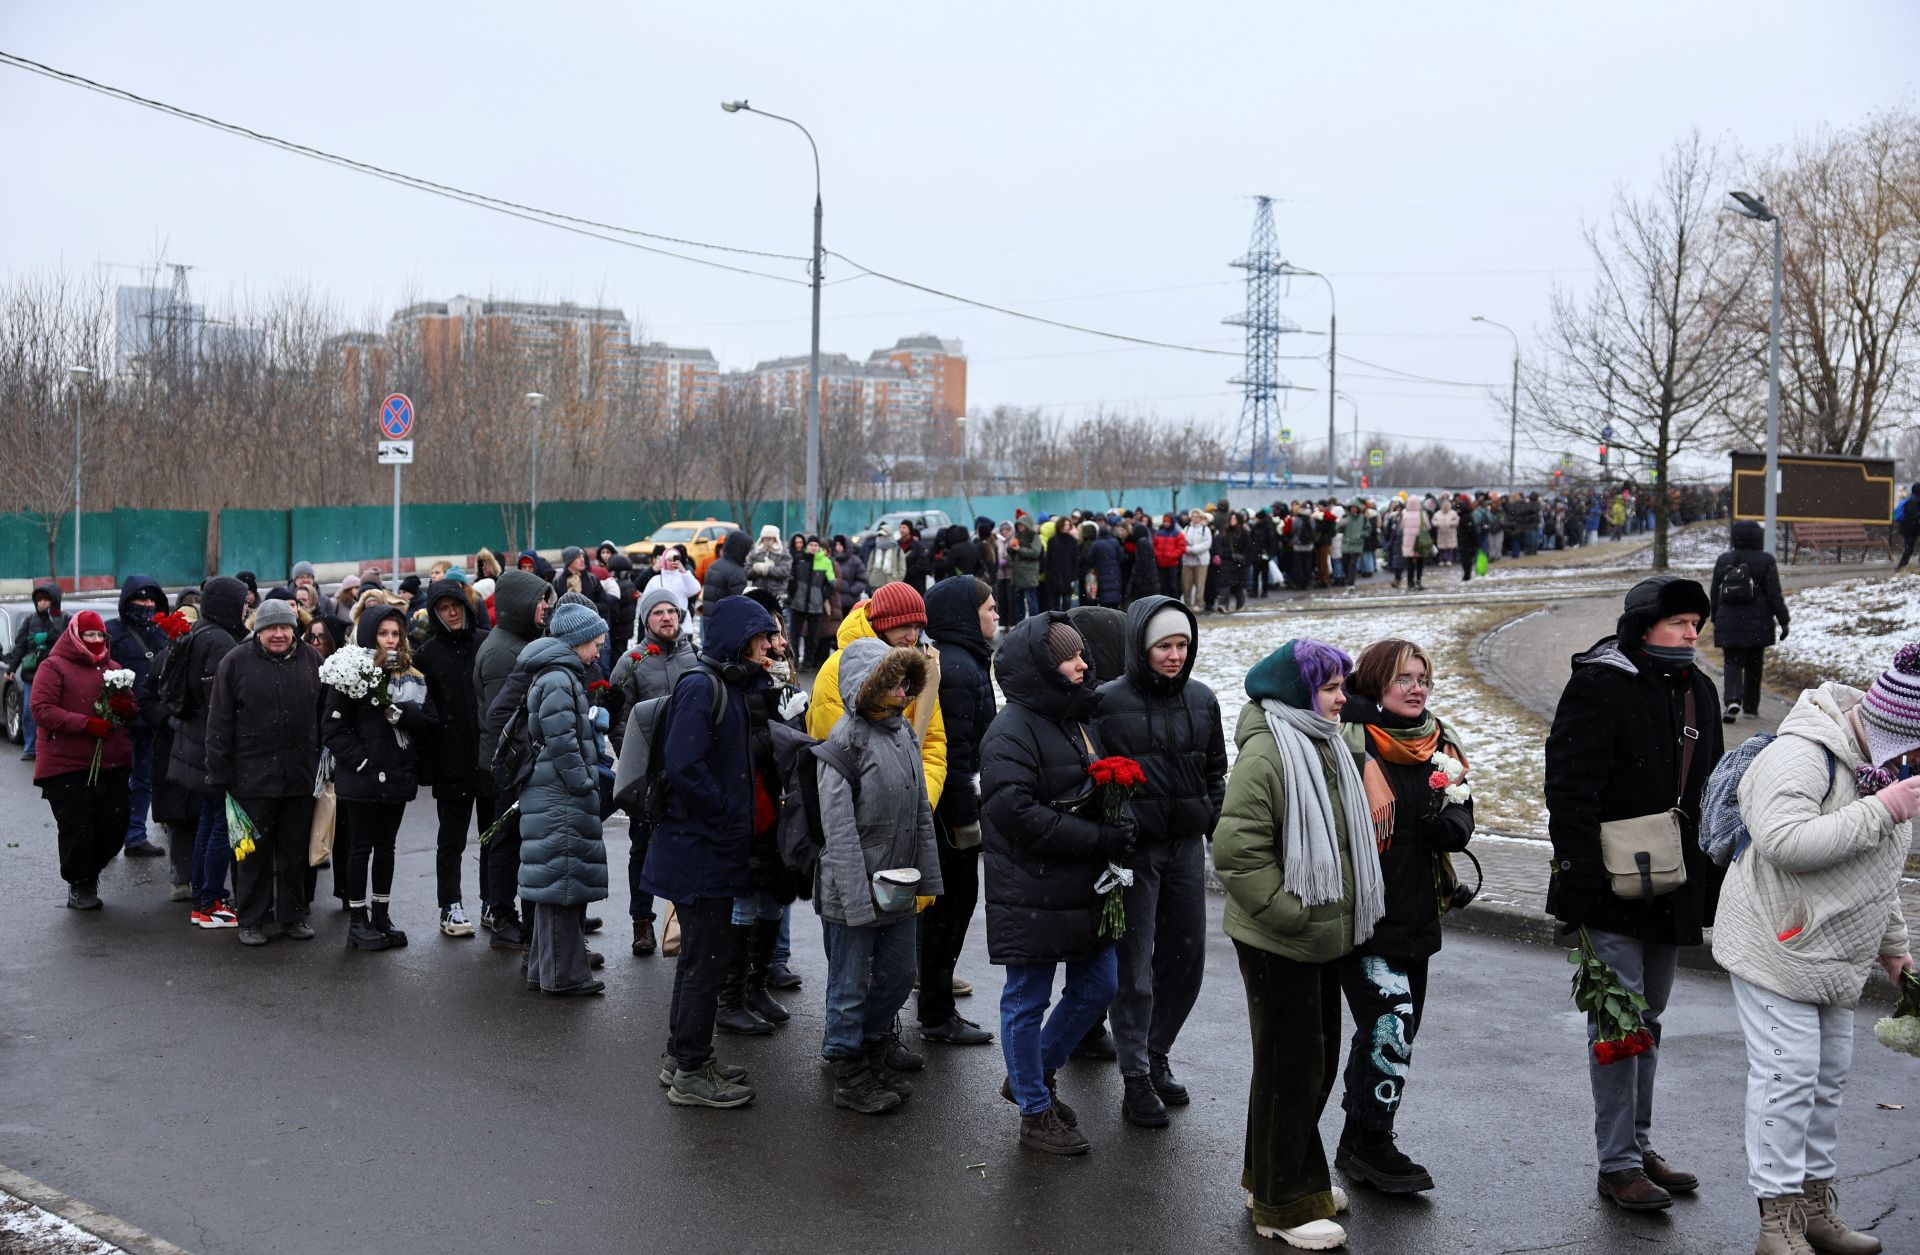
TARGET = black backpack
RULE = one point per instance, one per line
(515, 753)
(801, 834)
(1739, 588)
(176, 693)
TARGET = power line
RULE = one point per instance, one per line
(1397, 373)
(513, 209)
(1014, 313)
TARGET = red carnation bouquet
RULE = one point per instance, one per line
(1114, 778)
(1615, 1008)
(597, 691)
(175, 625)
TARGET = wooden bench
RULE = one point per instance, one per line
(1838, 537)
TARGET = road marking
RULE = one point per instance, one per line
(130, 1238)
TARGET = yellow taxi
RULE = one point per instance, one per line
(702, 538)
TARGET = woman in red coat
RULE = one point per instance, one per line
(91, 817)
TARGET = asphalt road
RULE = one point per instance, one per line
(305, 1098)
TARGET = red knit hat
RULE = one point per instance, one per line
(896, 605)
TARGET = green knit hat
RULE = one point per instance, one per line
(1277, 676)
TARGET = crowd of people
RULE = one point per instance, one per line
(1069, 760)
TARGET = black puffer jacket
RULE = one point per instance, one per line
(1411, 927)
(263, 722)
(447, 757)
(1041, 858)
(135, 638)
(370, 763)
(1172, 728)
(1614, 753)
(173, 803)
(222, 602)
(727, 574)
(966, 692)
(1143, 576)
(1738, 625)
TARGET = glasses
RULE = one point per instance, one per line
(1408, 683)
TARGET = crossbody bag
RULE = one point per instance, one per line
(1643, 855)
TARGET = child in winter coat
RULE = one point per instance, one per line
(875, 820)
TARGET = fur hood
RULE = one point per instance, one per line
(871, 669)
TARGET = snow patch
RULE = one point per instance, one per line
(1849, 631)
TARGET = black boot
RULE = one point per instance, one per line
(383, 922)
(1097, 1044)
(883, 1070)
(1369, 1157)
(1171, 1092)
(735, 1016)
(764, 934)
(362, 935)
(856, 1088)
(1140, 1105)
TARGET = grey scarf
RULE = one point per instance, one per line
(1310, 854)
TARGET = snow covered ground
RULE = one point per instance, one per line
(1849, 631)
(25, 1227)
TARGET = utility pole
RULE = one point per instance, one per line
(79, 375)
(1755, 207)
(533, 400)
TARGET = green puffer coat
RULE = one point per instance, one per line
(1247, 846)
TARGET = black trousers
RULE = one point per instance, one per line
(1294, 1011)
(1906, 550)
(502, 858)
(1170, 582)
(371, 827)
(455, 809)
(273, 879)
(1386, 997)
(943, 926)
(1743, 665)
(91, 820)
(706, 936)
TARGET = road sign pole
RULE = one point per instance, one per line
(396, 525)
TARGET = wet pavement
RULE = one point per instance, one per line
(304, 1098)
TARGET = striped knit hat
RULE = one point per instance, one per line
(1890, 714)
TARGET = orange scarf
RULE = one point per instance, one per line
(1407, 751)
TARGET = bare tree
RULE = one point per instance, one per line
(745, 448)
(1653, 352)
(1849, 204)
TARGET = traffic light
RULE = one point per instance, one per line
(1603, 455)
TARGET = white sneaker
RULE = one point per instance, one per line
(453, 921)
(1315, 1235)
(1339, 1199)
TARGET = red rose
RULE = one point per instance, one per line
(598, 686)
(653, 650)
(1438, 780)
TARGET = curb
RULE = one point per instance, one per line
(108, 1228)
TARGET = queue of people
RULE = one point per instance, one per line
(938, 758)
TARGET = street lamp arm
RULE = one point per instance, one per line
(744, 107)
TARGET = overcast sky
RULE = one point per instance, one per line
(1093, 164)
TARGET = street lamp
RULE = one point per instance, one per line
(808, 515)
(1333, 357)
(1513, 405)
(1356, 432)
(1755, 207)
(533, 400)
(79, 375)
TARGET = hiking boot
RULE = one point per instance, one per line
(706, 1087)
(1097, 1044)
(644, 942)
(507, 933)
(899, 1057)
(883, 1072)
(1825, 1230)
(1783, 1226)
(590, 924)
(1369, 1157)
(361, 934)
(728, 1071)
(780, 976)
(454, 921)
(1067, 1115)
(297, 930)
(857, 1088)
(1140, 1105)
(83, 895)
(1731, 713)
(1631, 1189)
(956, 1031)
(1050, 1133)
(1314, 1235)
(1666, 1176)
(250, 936)
(1160, 1072)
(759, 959)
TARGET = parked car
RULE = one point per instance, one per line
(12, 615)
(928, 523)
(702, 538)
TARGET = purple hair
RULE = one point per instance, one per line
(1319, 662)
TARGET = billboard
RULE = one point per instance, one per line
(1816, 488)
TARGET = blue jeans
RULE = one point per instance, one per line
(26, 715)
(139, 788)
(783, 946)
(1029, 601)
(1031, 1050)
(212, 856)
(755, 908)
(869, 975)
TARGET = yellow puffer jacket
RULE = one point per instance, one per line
(922, 713)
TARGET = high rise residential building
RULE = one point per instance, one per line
(678, 384)
(939, 366)
(583, 349)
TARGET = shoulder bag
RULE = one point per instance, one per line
(1643, 855)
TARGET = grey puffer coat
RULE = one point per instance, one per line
(889, 824)
(563, 860)
(1824, 860)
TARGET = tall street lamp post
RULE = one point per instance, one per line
(1356, 434)
(1755, 207)
(533, 400)
(811, 505)
(79, 375)
(1333, 357)
(1513, 402)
